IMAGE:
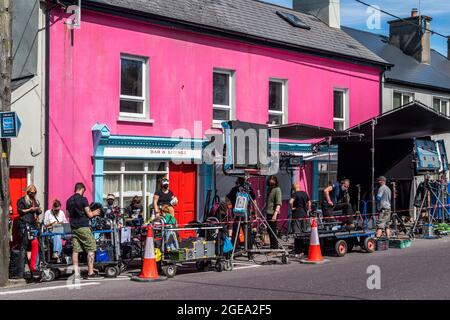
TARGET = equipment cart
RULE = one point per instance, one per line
(107, 259)
(203, 250)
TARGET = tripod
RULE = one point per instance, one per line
(397, 222)
(241, 206)
(427, 201)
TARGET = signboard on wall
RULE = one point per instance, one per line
(153, 153)
(9, 124)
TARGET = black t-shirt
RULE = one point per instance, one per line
(28, 217)
(232, 195)
(301, 199)
(135, 212)
(164, 198)
(75, 206)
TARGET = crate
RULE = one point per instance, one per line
(400, 243)
(382, 244)
(177, 255)
(210, 249)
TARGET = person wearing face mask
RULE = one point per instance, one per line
(164, 199)
(274, 202)
(29, 211)
(110, 209)
(336, 198)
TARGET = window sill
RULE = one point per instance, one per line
(217, 125)
(136, 120)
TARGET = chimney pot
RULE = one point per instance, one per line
(414, 12)
(326, 10)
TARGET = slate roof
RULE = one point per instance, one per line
(251, 18)
(434, 76)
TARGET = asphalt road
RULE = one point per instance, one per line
(419, 272)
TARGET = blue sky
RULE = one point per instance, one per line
(353, 14)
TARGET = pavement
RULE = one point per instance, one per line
(421, 271)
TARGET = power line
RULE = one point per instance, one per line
(396, 17)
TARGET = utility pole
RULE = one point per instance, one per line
(5, 105)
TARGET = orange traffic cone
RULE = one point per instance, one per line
(314, 253)
(149, 270)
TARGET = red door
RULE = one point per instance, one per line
(183, 185)
(17, 186)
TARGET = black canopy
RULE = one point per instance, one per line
(299, 131)
(413, 120)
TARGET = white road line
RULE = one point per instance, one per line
(71, 286)
(247, 267)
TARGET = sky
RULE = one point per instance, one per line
(354, 14)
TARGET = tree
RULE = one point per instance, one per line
(5, 105)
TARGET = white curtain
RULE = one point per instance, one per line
(111, 184)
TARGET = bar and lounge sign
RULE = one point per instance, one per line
(153, 153)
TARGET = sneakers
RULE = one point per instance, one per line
(94, 276)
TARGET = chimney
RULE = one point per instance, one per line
(326, 10)
(411, 35)
(448, 47)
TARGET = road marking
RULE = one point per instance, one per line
(49, 288)
(247, 267)
(119, 278)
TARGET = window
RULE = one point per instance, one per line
(402, 98)
(126, 179)
(340, 110)
(293, 20)
(277, 101)
(327, 176)
(441, 105)
(133, 95)
(223, 95)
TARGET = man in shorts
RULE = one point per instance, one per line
(384, 195)
(82, 238)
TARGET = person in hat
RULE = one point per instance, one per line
(164, 200)
(110, 209)
(383, 199)
(336, 198)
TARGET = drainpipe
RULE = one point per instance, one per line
(47, 101)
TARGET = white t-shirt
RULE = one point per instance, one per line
(50, 218)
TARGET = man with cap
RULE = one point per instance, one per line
(336, 198)
(164, 199)
(383, 198)
(110, 209)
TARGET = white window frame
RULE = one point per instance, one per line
(232, 95)
(442, 99)
(145, 91)
(144, 172)
(346, 112)
(284, 101)
(403, 93)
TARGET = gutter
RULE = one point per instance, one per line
(417, 85)
(218, 32)
(47, 103)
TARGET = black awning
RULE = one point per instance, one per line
(413, 120)
(299, 131)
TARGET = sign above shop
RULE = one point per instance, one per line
(152, 153)
(10, 124)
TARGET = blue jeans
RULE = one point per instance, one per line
(57, 244)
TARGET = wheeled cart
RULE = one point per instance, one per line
(204, 250)
(107, 259)
(341, 242)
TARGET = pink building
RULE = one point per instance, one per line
(133, 79)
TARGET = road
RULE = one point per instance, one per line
(419, 272)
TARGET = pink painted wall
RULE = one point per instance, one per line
(84, 86)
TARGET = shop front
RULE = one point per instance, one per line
(129, 166)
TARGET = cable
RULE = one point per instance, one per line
(394, 16)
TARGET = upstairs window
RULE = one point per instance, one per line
(441, 105)
(223, 95)
(402, 98)
(340, 109)
(277, 102)
(133, 82)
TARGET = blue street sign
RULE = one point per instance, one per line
(9, 124)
